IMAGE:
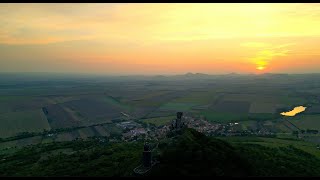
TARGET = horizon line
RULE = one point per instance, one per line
(152, 75)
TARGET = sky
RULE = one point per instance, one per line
(124, 38)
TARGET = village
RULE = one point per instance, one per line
(133, 131)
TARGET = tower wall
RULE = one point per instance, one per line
(146, 158)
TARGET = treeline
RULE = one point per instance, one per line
(242, 133)
(45, 132)
(21, 135)
(88, 158)
(280, 161)
(308, 131)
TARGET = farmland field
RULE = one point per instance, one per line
(169, 109)
(290, 101)
(159, 121)
(306, 121)
(29, 141)
(177, 106)
(315, 138)
(72, 102)
(19, 103)
(262, 116)
(58, 117)
(224, 117)
(47, 140)
(102, 131)
(8, 144)
(282, 127)
(93, 110)
(203, 97)
(159, 113)
(262, 107)
(64, 137)
(251, 98)
(313, 110)
(241, 107)
(112, 101)
(248, 125)
(60, 99)
(86, 132)
(112, 129)
(275, 142)
(13, 98)
(24, 121)
(276, 100)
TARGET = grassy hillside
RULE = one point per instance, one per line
(194, 154)
(188, 153)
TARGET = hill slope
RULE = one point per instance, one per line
(192, 154)
(188, 153)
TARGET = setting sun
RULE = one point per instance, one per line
(159, 89)
(160, 38)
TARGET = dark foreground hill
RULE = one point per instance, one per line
(188, 153)
(191, 153)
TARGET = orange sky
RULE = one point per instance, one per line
(160, 38)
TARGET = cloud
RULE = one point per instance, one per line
(206, 35)
(255, 44)
(268, 52)
(284, 45)
(46, 23)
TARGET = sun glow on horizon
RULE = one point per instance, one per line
(160, 38)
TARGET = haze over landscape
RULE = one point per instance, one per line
(163, 38)
(159, 89)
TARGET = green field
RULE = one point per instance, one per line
(159, 121)
(112, 129)
(177, 106)
(24, 121)
(102, 131)
(14, 98)
(29, 141)
(9, 103)
(315, 138)
(60, 99)
(260, 107)
(290, 100)
(85, 133)
(223, 117)
(8, 144)
(265, 103)
(275, 142)
(223, 99)
(112, 101)
(152, 94)
(21, 142)
(261, 116)
(281, 128)
(306, 121)
(47, 140)
(247, 125)
(286, 135)
(259, 98)
(64, 137)
(198, 98)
